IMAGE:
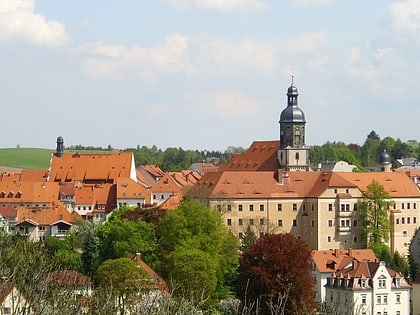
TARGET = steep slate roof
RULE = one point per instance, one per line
(336, 259)
(44, 216)
(84, 167)
(261, 156)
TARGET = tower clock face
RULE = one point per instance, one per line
(297, 131)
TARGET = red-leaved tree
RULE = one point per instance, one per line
(275, 276)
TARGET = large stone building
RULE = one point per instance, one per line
(271, 188)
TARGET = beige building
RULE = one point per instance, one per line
(270, 188)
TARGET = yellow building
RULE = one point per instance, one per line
(271, 189)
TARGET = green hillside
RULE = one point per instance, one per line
(26, 158)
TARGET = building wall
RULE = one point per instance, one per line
(324, 222)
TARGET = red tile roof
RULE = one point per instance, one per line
(261, 156)
(336, 259)
(129, 189)
(91, 167)
(44, 216)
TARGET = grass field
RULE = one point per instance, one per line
(26, 158)
(32, 158)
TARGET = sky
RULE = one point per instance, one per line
(206, 74)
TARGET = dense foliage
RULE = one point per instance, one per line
(374, 214)
(198, 252)
(274, 276)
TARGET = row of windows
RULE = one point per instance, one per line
(250, 221)
(329, 239)
(251, 207)
(404, 220)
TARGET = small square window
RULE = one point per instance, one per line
(251, 207)
(251, 221)
(240, 207)
(229, 207)
(240, 222)
(330, 207)
(329, 239)
(330, 223)
(294, 223)
(261, 207)
(280, 222)
(229, 221)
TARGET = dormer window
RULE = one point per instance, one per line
(363, 283)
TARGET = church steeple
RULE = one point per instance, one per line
(60, 147)
(292, 134)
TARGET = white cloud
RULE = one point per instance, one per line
(223, 56)
(19, 22)
(406, 16)
(217, 5)
(115, 61)
(201, 56)
(313, 3)
(225, 104)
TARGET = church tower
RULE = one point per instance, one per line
(60, 147)
(292, 154)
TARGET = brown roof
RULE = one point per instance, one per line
(5, 290)
(157, 282)
(68, 278)
(153, 170)
(261, 156)
(90, 167)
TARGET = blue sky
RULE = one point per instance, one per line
(206, 74)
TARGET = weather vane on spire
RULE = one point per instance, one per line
(293, 75)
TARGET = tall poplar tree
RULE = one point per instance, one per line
(374, 214)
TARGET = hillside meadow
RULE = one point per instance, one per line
(30, 158)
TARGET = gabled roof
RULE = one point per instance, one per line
(84, 195)
(157, 282)
(44, 216)
(152, 170)
(185, 178)
(129, 189)
(166, 185)
(261, 156)
(337, 259)
(90, 167)
(5, 289)
(171, 203)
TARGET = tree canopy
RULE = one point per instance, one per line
(275, 275)
(192, 238)
(374, 214)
